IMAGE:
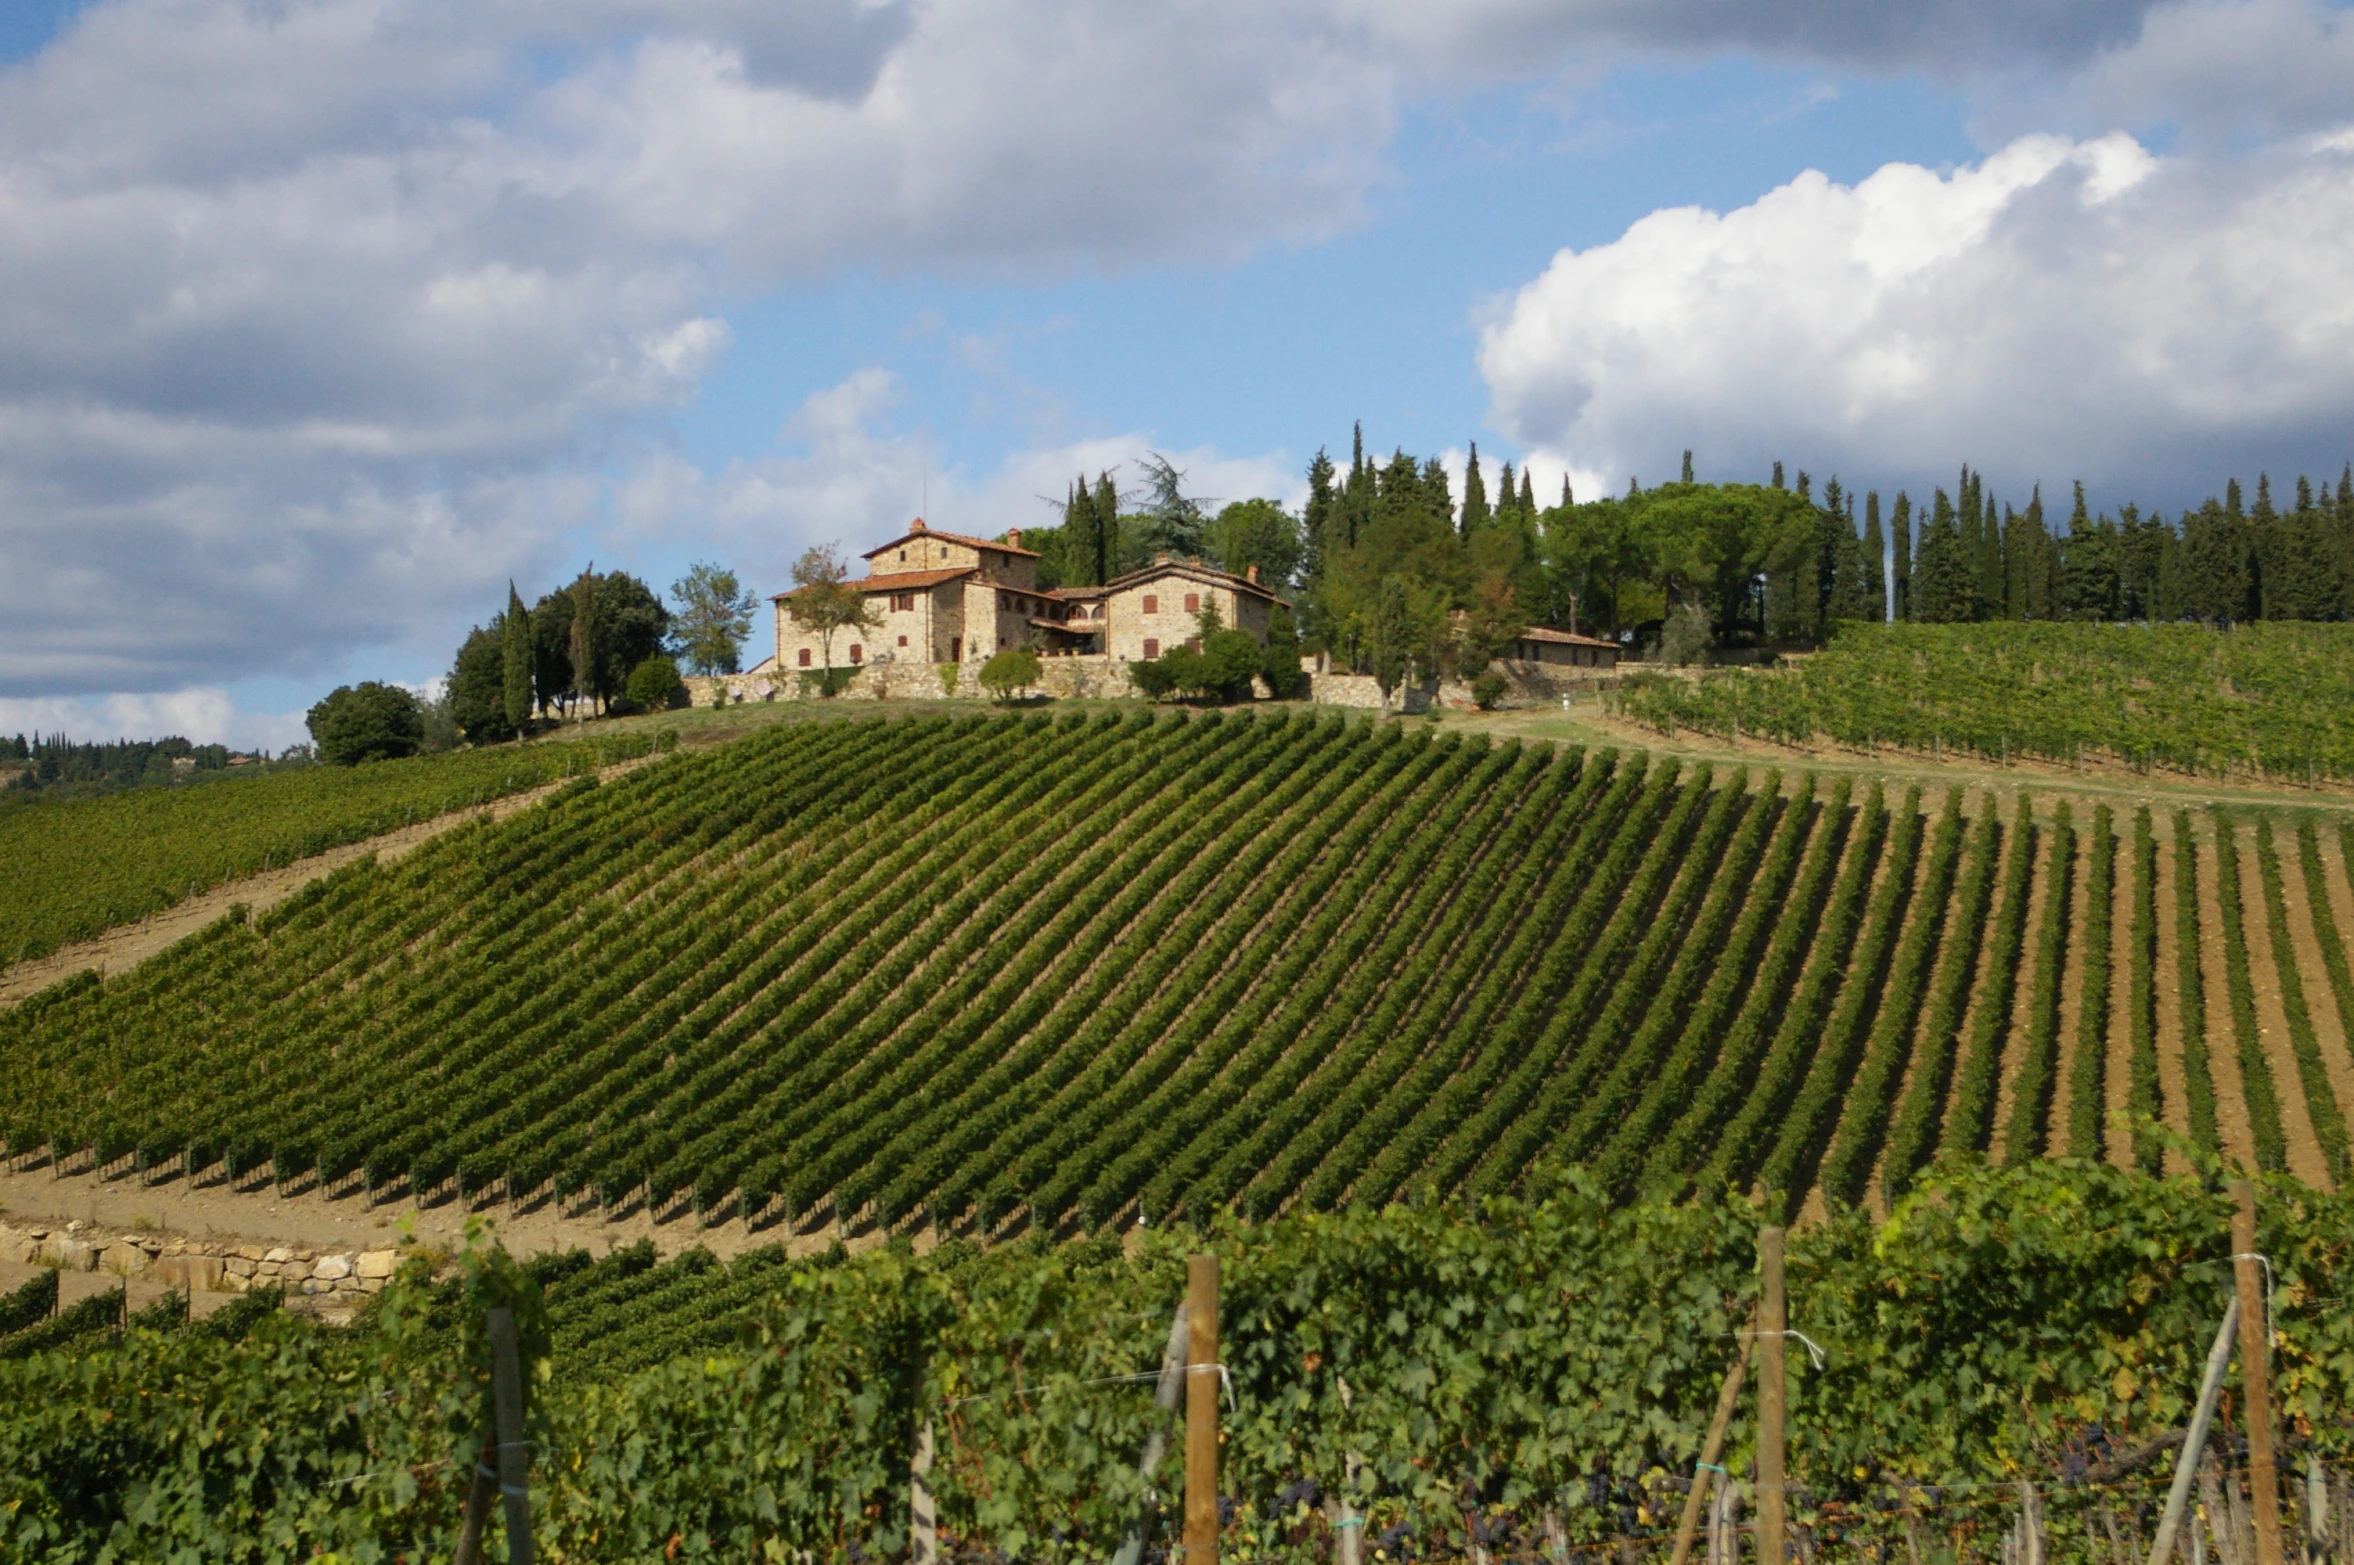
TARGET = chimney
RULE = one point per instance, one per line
(1013, 535)
(916, 526)
(1161, 558)
(1252, 575)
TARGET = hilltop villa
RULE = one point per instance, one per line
(946, 602)
(945, 598)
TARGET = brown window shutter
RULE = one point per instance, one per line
(1152, 649)
(1193, 603)
(1152, 605)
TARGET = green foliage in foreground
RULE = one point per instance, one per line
(2269, 698)
(1555, 1354)
(78, 867)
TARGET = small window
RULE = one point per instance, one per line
(1152, 648)
(903, 641)
(1005, 601)
(1193, 603)
(1152, 605)
(956, 649)
(903, 554)
(856, 651)
(804, 657)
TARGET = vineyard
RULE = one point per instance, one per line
(77, 867)
(2253, 700)
(1523, 1380)
(1084, 972)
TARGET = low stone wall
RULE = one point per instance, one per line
(1529, 684)
(1065, 679)
(205, 1266)
(1363, 691)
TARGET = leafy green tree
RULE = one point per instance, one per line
(1009, 672)
(654, 685)
(1684, 639)
(551, 644)
(516, 662)
(713, 619)
(632, 626)
(366, 722)
(823, 601)
(476, 690)
(1260, 533)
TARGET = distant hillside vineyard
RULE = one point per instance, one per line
(2263, 700)
(1081, 970)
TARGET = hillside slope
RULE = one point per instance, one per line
(1080, 969)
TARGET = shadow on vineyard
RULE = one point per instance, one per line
(1518, 1377)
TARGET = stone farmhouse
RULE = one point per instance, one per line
(943, 597)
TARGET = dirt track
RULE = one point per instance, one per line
(127, 945)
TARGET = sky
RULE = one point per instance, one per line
(322, 320)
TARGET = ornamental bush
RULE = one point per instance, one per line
(655, 685)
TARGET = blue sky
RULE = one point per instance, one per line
(331, 316)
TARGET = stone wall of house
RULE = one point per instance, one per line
(202, 1265)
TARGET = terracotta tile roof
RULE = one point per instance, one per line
(1564, 638)
(1195, 570)
(899, 581)
(919, 530)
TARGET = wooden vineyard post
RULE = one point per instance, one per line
(1703, 1481)
(2255, 1377)
(1772, 1321)
(506, 1396)
(1201, 1410)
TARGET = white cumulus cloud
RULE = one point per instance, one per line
(2062, 309)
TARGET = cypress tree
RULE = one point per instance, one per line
(515, 660)
(1566, 500)
(1687, 474)
(583, 639)
(1900, 527)
(1944, 587)
(1475, 494)
(2266, 548)
(1528, 495)
(1507, 494)
(1778, 476)
(1965, 518)
(1079, 540)
(1875, 559)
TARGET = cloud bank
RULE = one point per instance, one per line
(2063, 309)
(324, 317)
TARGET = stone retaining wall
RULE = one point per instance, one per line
(1064, 679)
(204, 1266)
